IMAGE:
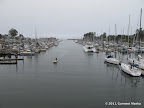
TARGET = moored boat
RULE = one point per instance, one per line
(89, 48)
(112, 60)
(130, 69)
(28, 52)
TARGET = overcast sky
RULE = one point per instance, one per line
(69, 18)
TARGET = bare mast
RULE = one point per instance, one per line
(140, 29)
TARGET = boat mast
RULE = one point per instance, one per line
(115, 36)
(36, 42)
(109, 35)
(132, 40)
(128, 30)
(121, 37)
(140, 29)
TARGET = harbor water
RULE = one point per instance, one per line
(78, 80)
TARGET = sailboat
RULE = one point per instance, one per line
(132, 69)
(36, 43)
(110, 58)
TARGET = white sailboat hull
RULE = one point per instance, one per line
(112, 60)
(131, 71)
(141, 65)
(142, 73)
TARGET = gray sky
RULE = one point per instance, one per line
(68, 18)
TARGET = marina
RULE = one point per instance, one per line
(78, 79)
(71, 54)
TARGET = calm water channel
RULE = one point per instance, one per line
(79, 80)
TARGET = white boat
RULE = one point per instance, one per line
(139, 56)
(139, 62)
(142, 72)
(133, 61)
(131, 70)
(76, 41)
(42, 49)
(28, 52)
(112, 60)
(37, 51)
(46, 47)
(141, 65)
(89, 48)
(141, 59)
(55, 60)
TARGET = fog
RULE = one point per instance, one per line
(69, 18)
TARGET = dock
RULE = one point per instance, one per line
(8, 62)
(10, 59)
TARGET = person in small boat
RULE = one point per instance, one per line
(55, 59)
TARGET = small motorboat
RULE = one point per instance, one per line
(89, 48)
(55, 60)
(112, 60)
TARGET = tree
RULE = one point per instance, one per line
(0, 36)
(102, 36)
(13, 32)
(21, 36)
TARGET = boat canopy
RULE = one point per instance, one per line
(110, 56)
(134, 65)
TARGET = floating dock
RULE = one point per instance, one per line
(10, 59)
(8, 62)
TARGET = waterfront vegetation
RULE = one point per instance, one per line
(91, 36)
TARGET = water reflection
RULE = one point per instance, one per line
(127, 79)
(111, 65)
(90, 53)
(29, 57)
(16, 68)
(77, 76)
(97, 54)
(89, 56)
(114, 69)
(124, 78)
